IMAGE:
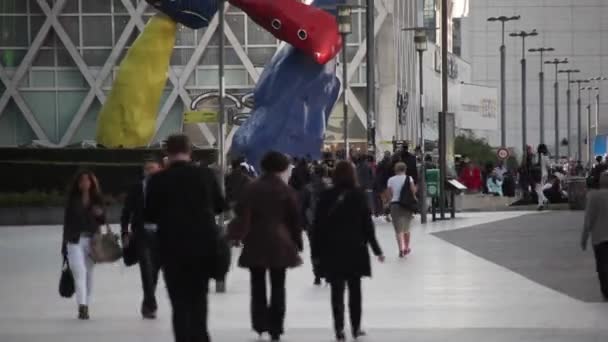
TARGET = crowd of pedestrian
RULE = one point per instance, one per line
(171, 225)
(170, 221)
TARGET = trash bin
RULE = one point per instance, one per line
(577, 192)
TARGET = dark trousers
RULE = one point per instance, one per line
(338, 287)
(314, 263)
(264, 317)
(188, 288)
(149, 267)
(601, 261)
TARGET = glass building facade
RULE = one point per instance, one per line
(59, 57)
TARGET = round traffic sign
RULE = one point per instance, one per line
(503, 153)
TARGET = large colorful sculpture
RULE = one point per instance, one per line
(293, 98)
(128, 117)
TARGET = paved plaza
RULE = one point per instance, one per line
(465, 281)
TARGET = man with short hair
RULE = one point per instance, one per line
(145, 242)
(181, 203)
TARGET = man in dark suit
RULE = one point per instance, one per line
(145, 241)
(410, 161)
(181, 203)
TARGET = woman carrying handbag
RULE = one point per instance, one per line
(84, 215)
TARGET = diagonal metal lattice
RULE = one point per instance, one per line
(95, 80)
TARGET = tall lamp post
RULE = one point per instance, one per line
(568, 108)
(589, 142)
(579, 134)
(420, 40)
(556, 62)
(371, 77)
(524, 124)
(541, 77)
(345, 28)
(503, 49)
(597, 102)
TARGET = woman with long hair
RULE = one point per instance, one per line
(84, 213)
(343, 230)
(268, 224)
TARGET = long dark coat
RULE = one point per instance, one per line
(342, 233)
(268, 224)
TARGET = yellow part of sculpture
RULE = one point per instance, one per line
(128, 117)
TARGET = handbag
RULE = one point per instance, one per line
(66, 280)
(407, 199)
(105, 247)
(129, 253)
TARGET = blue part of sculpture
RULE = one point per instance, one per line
(293, 100)
(194, 14)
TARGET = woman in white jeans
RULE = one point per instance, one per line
(83, 216)
(544, 163)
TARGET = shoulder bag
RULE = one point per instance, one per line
(105, 247)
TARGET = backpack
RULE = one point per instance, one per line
(407, 200)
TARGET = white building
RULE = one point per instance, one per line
(576, 29)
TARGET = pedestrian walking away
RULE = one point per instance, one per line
(310, 200)
(181, 204)
(401, 213)
(144, 242)
(596, 216)
(84, 215)
(268, 223)
(343, 230)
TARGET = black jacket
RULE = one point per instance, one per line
(236, 182)
(79, 220)
(342, 233)
(133, 210)
(182, 201)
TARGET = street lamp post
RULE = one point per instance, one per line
(589, 142)
(503, 49)
(556, 62)
(568, 109)
(541, 77)
(371, 77)
(420, 40)
(524, 124)
(579, 119)
(597, 102)
(345, 28)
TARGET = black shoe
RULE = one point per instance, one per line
(83, 312)
(340, 336)
(359, 333)
(317, 281)
(275, 337)
(220, 287)
(149, 314)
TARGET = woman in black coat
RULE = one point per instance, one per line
(343, 230)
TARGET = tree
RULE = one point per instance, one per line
(476, 149)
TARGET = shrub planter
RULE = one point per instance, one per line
(36, 216)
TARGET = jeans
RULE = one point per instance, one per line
(81, 265)
(149, 267)
(265, 318)
(187, 287)
(338, 287)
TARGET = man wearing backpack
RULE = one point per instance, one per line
(402, 192)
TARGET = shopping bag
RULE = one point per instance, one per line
(105, 247)
(66, 281)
